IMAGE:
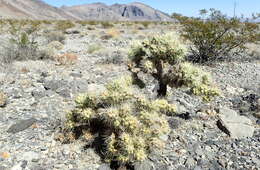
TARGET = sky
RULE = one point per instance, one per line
(184, 7)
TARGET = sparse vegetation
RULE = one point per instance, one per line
(114, 33)
(128, 125)
(216, 36)
(22, 45)
(94, 48)
(55, 36)
(64, 25)
(106, 24)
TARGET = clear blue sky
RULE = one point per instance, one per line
(185, 7)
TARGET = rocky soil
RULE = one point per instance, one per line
(223, 134)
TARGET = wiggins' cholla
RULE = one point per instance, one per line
(132, 124)
(162, 56)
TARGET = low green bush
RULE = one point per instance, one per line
(216, 36)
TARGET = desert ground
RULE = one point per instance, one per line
(35, 96)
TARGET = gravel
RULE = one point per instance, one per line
(47, 91)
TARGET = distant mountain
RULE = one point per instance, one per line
(37, 9)
(31, 9)
(133, 11)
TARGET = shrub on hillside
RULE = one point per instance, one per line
(215, 36)
(127, 124)
(64, 25)
(21, 46)
(55, 36)
(162, 57)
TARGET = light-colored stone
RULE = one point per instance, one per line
(257, 115)
(30, 156)
(95, 89)
(258, 104)
(234, 125)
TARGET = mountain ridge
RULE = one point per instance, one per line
(38, 9)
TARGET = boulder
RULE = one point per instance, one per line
(234, 125)
(21, 125)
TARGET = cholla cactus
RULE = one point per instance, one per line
(162, 56)
(155, 55)
(200, 82)
(130, 124)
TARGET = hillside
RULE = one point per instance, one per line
(37, 9)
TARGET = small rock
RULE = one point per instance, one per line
(64, 92)
(174, 123)
(257, 115)
(21, 125)
(31, 156)
(104, 167)
(234, 125)
(38, 93)
(95, 88)
(189, 162)
(54, 84)
(258, 104)
(76, 75)
(72, 31)
(145, 165)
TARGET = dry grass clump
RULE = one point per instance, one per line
(3, 99)
(66, 59)
(94, 48)
(55, 36)
(106, 24)
(114, 33)
(127, 126)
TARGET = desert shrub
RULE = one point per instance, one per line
(84, 23)
(145, 23)
(64, 25)
(52, 49)
(21, 46)
(127, 124)
(107, 24)
(94, 48)
(162, 57)
(55, 36)
(3, 99)
(116, 57)
(114, 33)
(215, 36)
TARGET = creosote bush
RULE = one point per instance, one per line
(22, 45)
(163, 58)
(55, 36)
(64, 25)
(216, 36)
(128, 125)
